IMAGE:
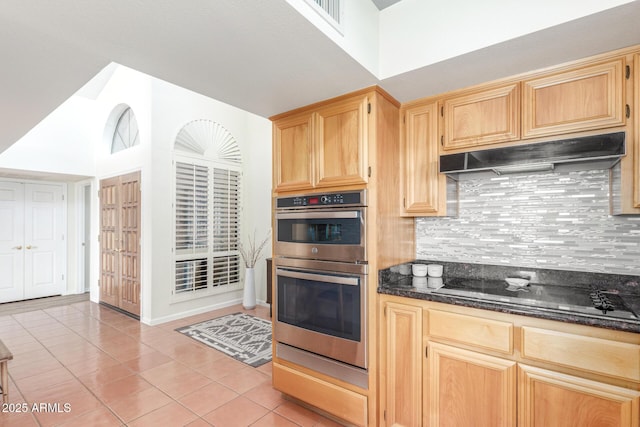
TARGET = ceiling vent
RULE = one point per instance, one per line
(330, 10)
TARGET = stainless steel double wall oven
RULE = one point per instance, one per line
(320, 279)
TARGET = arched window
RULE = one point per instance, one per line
(207, 171)
(126, 133)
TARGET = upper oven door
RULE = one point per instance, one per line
(332, 235)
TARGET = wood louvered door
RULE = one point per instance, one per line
(120, 242)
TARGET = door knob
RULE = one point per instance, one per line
(31, 247)
(19, 248)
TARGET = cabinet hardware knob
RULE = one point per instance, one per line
(18, 248)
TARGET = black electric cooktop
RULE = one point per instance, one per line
(587, 301)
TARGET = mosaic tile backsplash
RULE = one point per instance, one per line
(557, 220)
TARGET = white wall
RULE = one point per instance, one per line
(359, 37)
(174, 107)
(417, 33)
(58, 144)
(75, 139)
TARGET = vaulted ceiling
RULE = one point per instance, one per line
(261, 56)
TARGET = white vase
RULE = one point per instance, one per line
(249, 295)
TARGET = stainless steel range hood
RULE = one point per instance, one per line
(538, 156)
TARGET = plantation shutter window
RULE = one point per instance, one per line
(226, 229)
(192, 207)
(191, 275)
(207, 209)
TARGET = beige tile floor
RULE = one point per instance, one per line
(111, 370)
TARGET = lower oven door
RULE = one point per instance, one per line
(321, 309)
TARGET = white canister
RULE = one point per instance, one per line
(434, 270)
(404, 269)
(419, 270)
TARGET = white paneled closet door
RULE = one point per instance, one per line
(33, 240)
(11, 241)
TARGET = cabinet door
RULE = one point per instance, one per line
(424, 186)
(582, 99)
(469, 389)
(548, 398)
(292, 153)
(482, 118)
(341, 149)
(635, 145)
(402, 362)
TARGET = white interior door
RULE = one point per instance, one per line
(32, 240)
(44, 241)
(11, 241)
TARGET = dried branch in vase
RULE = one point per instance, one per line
(252, 253)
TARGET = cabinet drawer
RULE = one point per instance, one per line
(613, 358)
(346, 404)
(470, 330)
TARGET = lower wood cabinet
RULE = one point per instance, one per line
(402, 341)
(431, 376)
(467, 388)
(548, 398)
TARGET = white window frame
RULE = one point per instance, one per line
(213, 286)
(120, 142)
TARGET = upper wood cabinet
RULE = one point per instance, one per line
(424, 186)
(634, 172)
(483, 117)
(589, 97)
(293, 152)
(341, 143)
(325, 147)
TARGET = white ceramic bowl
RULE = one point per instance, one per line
(516, 282)
(419, 270)
(404, 269)
(434, 270)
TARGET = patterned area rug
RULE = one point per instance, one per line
(242, 336)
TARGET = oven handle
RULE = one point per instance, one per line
(318, 215)
(314, 276)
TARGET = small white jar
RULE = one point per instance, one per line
(434, 270)
(419, 270)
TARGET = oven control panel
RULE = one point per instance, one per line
(353, 198)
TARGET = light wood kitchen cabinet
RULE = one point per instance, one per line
(634, 170)
(549, 398)
(486, 368)
(293, 152)
(349, 143)
(467, 388)
(402, 344)
(326, 147)
(580, 99)
(487, 116)
(424, 187)
(341, 143)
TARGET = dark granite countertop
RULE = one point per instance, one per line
(551, 294)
